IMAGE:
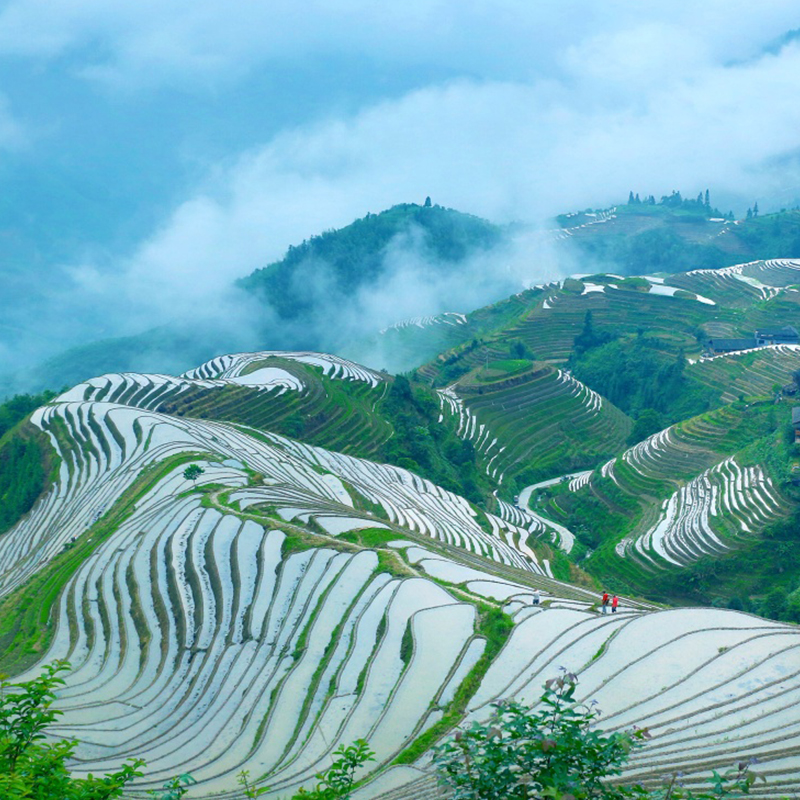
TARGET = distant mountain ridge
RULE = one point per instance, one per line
(321, 276)
(309, 299)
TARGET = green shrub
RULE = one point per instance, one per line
(335, 783)
(30, 768)
(555, 752)
(522, 753)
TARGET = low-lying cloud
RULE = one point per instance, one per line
(505, 151)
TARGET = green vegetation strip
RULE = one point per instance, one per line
(26, 624)
(495, 627)
(28, 467)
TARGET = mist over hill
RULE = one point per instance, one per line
(337, 291)
(333, 292)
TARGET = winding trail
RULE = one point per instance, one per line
(566, 537)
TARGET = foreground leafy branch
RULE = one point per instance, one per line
(32, 768)
(553, 751)
(335, 783)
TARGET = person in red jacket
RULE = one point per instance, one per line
(605, 602)
(614, 604)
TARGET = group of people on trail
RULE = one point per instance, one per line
(612, 601)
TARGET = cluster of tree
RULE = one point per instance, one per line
(636, 375)
(423, 446)
(555, 750)
(352, 257)
(23, 469)
(675, 200)
(15, 409)
(519, 350)
(590, 519)
(590, 337)
(22, 478)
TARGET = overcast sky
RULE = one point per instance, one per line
(156, 150)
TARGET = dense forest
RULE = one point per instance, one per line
(24, 458)
(18, 407)
(22, 478)
(354, 256)
(421, 445)
(635, 374)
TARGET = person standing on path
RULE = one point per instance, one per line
(537, 597)
(614, 604)
(605, 602)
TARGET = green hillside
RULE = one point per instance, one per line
(326, 272)
(348, 259)
(545, 422)
(675, 235)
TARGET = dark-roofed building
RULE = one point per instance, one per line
(796, 422)
(730, 345)
(785, 335)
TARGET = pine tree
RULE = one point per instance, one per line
(749, 213)
(637, 198)
(708, 200)
(630, 198)
(755, 209)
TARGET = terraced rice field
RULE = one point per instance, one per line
(447, 318)
(706, 502)
(749, 373)
(731, 286)
(236, 366)
(190, 617)
(241, 614)
(550, 328)
(544, 420)
(742, 284)
(738, 500)
(272, 391)
(712, 687)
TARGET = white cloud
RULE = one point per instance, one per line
(163, 41)
(504, 150)
(553, 107)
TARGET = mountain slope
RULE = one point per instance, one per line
(348, 259)
(296, 598)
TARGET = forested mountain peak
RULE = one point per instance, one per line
(355, 255)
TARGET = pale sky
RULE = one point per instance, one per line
(153, 151)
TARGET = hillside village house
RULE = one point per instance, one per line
(796, 422)
(785, 335)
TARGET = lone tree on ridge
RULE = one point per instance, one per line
(193, 472)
